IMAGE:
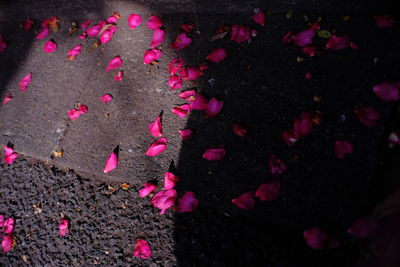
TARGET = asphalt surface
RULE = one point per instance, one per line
(262, 86)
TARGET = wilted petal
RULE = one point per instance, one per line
(106, 98)
(336, 43)
(119, 76)
(181, 41)
(7, 99)
(188, 27)
(276, 165)
(384, 20)
(187, 203)
(189, 95)
(176, 65)
(43, 33)
(157, 38)
(85, 24)
(28, 24)
(155, 128)
(186, 133)
(111, 162)
(213, 108)
(303, 38)
(64, 227)
(147, 189)
(142, 249)
(8, 226)
(154, 22)
(343, 147)
(259, 17)
(309, 50)
(240, 130)
(213, 154)
(364, 228)
(134, 20)
(245, 201)
(157, 147)
(164, 200)
(151, 55)
(217, 55)
(170, 180)
(368, 115)
(23, 84)
(240, 33)
(268, 191)
(199, 103)
(50, 46)
(74, 114)
(74, 52)
(7, 243)
(114, 63)
(181, 110)
(388, 91)
(94, 30)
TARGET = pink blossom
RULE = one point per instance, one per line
(151, 55)
(213, 154)
(28, 24)
(336, 43)
(259, 17)
(111, 162)
(155, 128)
(154, 22)
(368, 115)
(213, 108)
(175, 82)
(114, 63)
(343, 147)
(64, 227)
(23, 84)
(43, 33)
(94, 30)
(364, 228)
(147, 189)
(157, 147)
(217, 55)
(303, 38)
(187, 27)
(176, 65)
(74, 52)
(276, 165)
(164, 200)
(113, 18)
(50, 46)
(188, 95)
(142, 249)
(245, 201)
(3, 43)
(8, 226)
(7, 99)
(181, 110)
(309, 50)
(106, 98)
(240, 33)
(186, 133)
(191, 74)
(7, 243)
(199, 103)
(240, 130)
(9, 155)
(268, 191)
(119, 76)
(384, 20)
(388, 91)
(134, 20)
(157, 38)
(170, 180)
(181, 41)
(187, 203)
(85, 24)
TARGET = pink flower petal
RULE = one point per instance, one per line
(28, 24)
(64, 227)
(74, 114)
(157, 38)
(23, 84)
(304, 125)
(303, 38)
(114, 63)
(142, 249)
(176, 65)
(186, 133)
(276, 165)
(74, 52)
(175, 82)
(384, 20)
(9, 155)
(191, 74)
(170, 180)
(290, 137)
(106, 36)
(343, 147)
(147, 189)
(388, 91)
(43, 33)
(187, 203)
(181, 41)
(164, 200)
(268, 191)
(85, 24)
(119, 76)
(50, 46)
(7, 99)
(188, 27)
(83, 109)
(151, 55)
(106, 98)
(157, 147)
(259, 18)
(181, 110)
(199, 103)
(213, 108)
(213, 154)
(94, 30)
(240, 130)
(3, 43)
(240, 33)
(155, 128)
(245, 201)
(111, 162)
(308, 76)
(189, 95)
(287, 38)
(364, 228)
(336, 43)
(368, 115)
(154, 22)
(309, 50)
(7, 243)
(217, 55)
(316, 238)
(134, 20)
(8, 226)
(1, 220)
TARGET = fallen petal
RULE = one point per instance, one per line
(155, 128)
(384, 20)
(199, 103)
(303, 38)
(217, 55)
(23, 84)
(94, 30)
(213, 154)
(213, 108)
(142, 249)
(188, 27)
(303, 126)
(176, 65)
(309, 50)
(151, 55)
(8, 226)
(157, 38)
(111, 162)
(186, 133)
(85, 24)
(336, 43)
(134, 20)
(7, 243)
(290, 137)
(191, 74)
(388, 91)
(50, 46)
(114, 18)
(164, 200)
(368, 115)
(7, 99)
(364, 228)
(157, 147)
(245, 201)
(43, 33)
(170, 180)
(268, 191)
(240, 33)
(259, 18)
(106, 98)
(74, 114)
(287, 38)
(276, 165)
(308, 76)
(316, 238)
(240, 130)
(181, 110)
(28, 24)
(189, 95)
(106, 36)
(147, 189)
(181, 41)
(74, 52)
(187, 203)
(64, 227)
(3, 43)
(154, 22)
(114, 63)
(343, 147)
(119, 76)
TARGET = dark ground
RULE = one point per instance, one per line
(262, 86)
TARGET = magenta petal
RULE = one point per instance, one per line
(217, 55)
(94, 30)
(111, 162)
(106, 98)
(106, 36)
(213, 154)
(74, 51)
(259, 18)
(276, 165)
(181, 110)
(240, 33)
(336, 43)
(43, 33)
(199, 103)
(176, 65)
(268, 191)
(245, 201)
(170, 180)
(8, 226)
(74, 114)
(368, 115)
(303, 38)
(309, 50)
(303, 126)
(28, 24)
(134, 20)
(188, 95)
(154, 22)
(155, 128)
(187, 203)
(147, 189)
(49, 46)
(191, 74)
(7, 99)
(157, 38)
(186, 133)
(181, 41)
(7, 243)
(1, 220)
(85, 24)
(151, 55)
(287, 38)
(64, 227)
(164, 200)
(114, 63)
(157, 147)
(343, 147)
(316, 238)
(290, 137)
(388, 91)
(213, 108)
(240, 130)
(175, 82)
(119, 76)
(384, 20)
(142, 249)
(364, 228)
(23, 84)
